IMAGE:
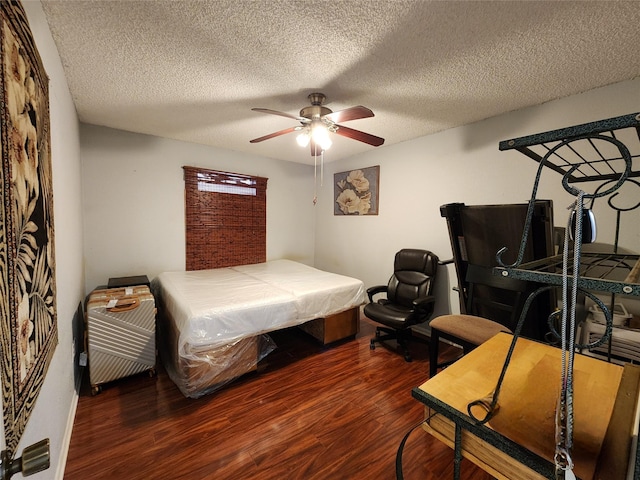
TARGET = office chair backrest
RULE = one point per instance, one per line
(414, 272)
(495, 297)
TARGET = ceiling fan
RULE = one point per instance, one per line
(317, 121)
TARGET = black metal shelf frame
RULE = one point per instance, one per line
(607, 151)
(587, 158)
(598, 272)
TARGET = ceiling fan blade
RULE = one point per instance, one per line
(353, 113)
(360, 136)
(275, 134)
(282, 114)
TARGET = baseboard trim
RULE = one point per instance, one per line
(66, 441)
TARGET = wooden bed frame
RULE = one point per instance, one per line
(333, 328)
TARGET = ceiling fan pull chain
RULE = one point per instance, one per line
(315, 181)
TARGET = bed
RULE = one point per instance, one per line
(213, 324)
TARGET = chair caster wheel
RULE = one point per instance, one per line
(407, 358)
(372, 345)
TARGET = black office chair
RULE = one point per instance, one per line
(408, 298)
(490, 298)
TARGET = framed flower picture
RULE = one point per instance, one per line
(356, 192)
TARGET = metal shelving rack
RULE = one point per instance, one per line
(606, 151)
(598, 272)
(593, 163)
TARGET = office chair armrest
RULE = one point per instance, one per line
(371, 291)
(424, 303)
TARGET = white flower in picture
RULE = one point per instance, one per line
(348, 201)
(358, 180)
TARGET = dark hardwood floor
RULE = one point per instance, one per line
(310, 413)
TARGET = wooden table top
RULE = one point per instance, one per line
(529, 395)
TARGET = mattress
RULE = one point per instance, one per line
(215, 307)
(214, 323)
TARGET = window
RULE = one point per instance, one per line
(226, 219)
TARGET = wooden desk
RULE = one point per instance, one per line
(518, 442)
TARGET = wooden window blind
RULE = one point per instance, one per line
(226, 219)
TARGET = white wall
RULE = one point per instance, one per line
(458, 165)
(133, 203)
(53, 413)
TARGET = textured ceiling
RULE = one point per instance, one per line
(192, 70)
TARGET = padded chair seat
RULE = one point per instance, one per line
(499, 297)
(474, 330)
(391, 315)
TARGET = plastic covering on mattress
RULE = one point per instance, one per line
(213, 321)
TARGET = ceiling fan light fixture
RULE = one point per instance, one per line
(317, 122)
(303, 138)
(320, 136)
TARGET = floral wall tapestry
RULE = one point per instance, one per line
(28, 327)
(356, 192)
